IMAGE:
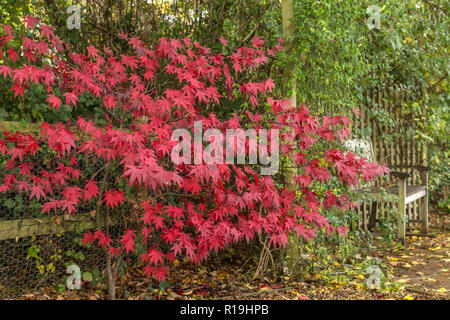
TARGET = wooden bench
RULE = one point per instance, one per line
(402, 193)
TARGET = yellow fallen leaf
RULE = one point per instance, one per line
(408, 298)
(393, 258)
(264, 289)
(187, 293)
(441, 290)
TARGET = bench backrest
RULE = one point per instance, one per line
(362, 147)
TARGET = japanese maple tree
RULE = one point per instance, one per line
(177, 210)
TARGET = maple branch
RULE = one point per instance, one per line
(161, 195)
(97, 172)
(263, 258)
(249, 35)
(182, 118)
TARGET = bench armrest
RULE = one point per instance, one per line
(401, 175)
(411, 166)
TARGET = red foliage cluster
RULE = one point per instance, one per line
(216, 204)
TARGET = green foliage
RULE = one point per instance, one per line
(444, 206)
(44, 265)
(87, 276)
(12, 10)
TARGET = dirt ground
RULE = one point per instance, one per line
(424, 266)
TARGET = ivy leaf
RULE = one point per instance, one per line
(87, 276)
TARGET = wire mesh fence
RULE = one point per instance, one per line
(37, 247)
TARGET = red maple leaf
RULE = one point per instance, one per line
(153, 256)
(30, 22)
(114, 251)
(113, 198)
(224, 41)
(71, 98)
(54, 101)
(48, 32)
(104, 240)
(18, 89)
(128, 241)
(88, 238)
(5, 71)
(257, 42)
(90, 191)
(37, 192)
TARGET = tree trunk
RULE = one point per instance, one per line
(110, 273)
(287, 11)
(111, 283)
(99, 215)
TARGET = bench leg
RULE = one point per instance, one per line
(373, 215)
(402, 210)
(424, 179)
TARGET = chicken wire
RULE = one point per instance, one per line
(35, 256)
